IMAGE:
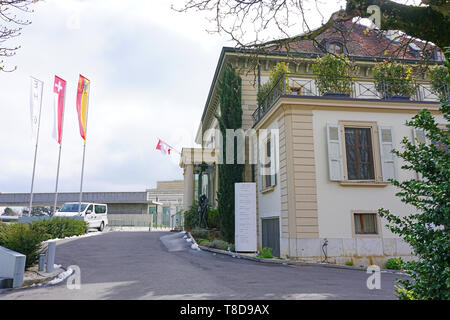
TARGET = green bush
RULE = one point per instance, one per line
(437, 74)
(266, 253)
(275, 82)
(191, 218)
(21, 238)
(394, 263)
(393, 79)
(222, 245)
(59, 227)
(333, 74)
(213, 219)
(349, 263)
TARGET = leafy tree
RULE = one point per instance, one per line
(427, 21)
(230, 118)
(9, 212)
(38, 211)
(11, 26)
(426, 230)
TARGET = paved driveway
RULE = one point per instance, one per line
(161, 265)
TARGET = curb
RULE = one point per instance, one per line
(290, 262)
(32, 283)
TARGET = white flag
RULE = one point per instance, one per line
(35, 105)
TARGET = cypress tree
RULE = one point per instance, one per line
(230, 118)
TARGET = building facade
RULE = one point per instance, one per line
(328, 157)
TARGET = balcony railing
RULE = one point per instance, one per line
(346, 88)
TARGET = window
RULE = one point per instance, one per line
(152, 209)
(365, 223)
(335, 47)
(439, 55)
(267, 177)
(90, 208)
(100, 209)
(359, 154)
(268, 162)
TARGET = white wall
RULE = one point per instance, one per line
(335, 202)
(269, 203)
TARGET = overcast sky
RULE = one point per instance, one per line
(150, 70)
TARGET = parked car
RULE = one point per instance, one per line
(95, 214)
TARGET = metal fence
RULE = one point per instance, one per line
(349, 88)
(130, 220)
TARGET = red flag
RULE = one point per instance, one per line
(163, 147)
(59, 90)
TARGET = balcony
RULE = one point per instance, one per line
(295, 85)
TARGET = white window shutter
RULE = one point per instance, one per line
(387, 157)
(334, 152)
(419, 134)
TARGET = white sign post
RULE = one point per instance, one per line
(245, 217)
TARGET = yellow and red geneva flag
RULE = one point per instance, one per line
(82, 104)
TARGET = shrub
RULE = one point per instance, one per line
(59, 227)
(349, 263)
(275, 84)
(266, 253)
(222, 245)
(191, 218)
(437, 76)
(213, 219)
(394, 263)
(334, 74)
(21, 238)
(393, 79)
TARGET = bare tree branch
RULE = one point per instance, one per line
(11, 26)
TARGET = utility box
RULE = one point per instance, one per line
(12, 266)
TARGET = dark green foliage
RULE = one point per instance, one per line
(191, 218)
(230, 118)
(198, 233)
(427, 228)
(59, 227)
(9, 212)
(20, 238)
(27, 238)
(394, 263)
(213, 219)
(38, 211)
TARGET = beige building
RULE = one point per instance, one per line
(329, 156)
(166, 203)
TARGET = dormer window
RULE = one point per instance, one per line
(335, 48)
(439, 55)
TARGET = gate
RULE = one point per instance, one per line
(271, 235)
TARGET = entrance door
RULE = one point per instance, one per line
(271, 235)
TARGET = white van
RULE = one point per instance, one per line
(95, 214)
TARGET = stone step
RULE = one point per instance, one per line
(6, 283)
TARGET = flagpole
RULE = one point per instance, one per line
(82, 173)
(35, 152)
(57, 177)
(84, 151)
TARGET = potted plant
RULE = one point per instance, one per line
(277, 85)
(437, 74)
(393, 80)
(334, 75)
